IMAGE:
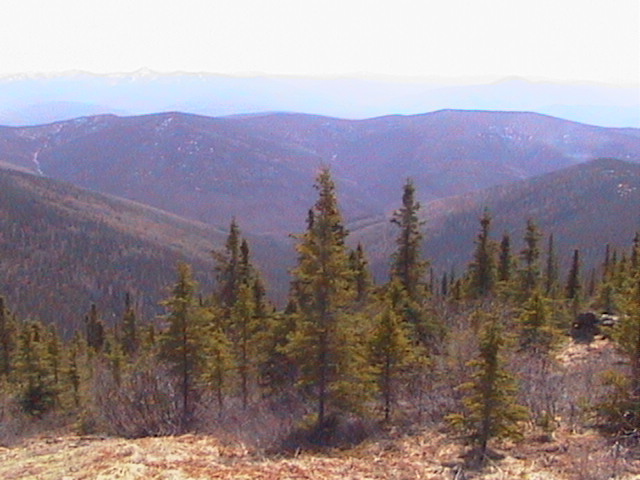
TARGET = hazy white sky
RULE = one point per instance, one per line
(569, 40)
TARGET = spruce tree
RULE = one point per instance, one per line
(409, 269)
(230, 271)
(529, 256)
(407, 264)
(504, 259)
(392, 350)
(635, 253)
(95, 330)
(537, 333)
(482, 269)
(491, 405)
(325, 337)
(276, 364)
(219, 361)
(182, 345)
(628, 336)
(7, 339)
(621, 408)
(361, 276)
(572, 289)
(72, 372)
(551, 269)
(244, 327)
(130, 338)
(34, 369)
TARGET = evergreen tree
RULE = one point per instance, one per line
(407, 264)
(635, 253)
(362, 278)
(621, 408)
(392, 351)
(182, 345)
(529, 256)
(72, 371)
(325, 337)
(504, 259)
(537, 334)
(482, 269)
(276, 367)
(628, 336)
(7, 339)
(572, 289)
(606, 264)
(244, 327)
(230, 268)
(94, 329)
(34, 369)
(130, 340)
(444, 285)
(551, 268)
(491, 406)
(219, 360)
(54, 354)
(227, 266)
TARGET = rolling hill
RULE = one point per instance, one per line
(260, 168)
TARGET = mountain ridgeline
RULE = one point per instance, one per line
(260, 168)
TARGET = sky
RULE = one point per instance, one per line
(558, 40)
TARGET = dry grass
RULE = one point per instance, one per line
(430, 455)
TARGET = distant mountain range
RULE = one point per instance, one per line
(32, 100)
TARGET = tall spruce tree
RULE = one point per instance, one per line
(572, 289)
(229, 268)
(504, 259)
(407, 263)
(530, 259)
(551, 269)
(94, 329)
(72, 372)
(130, 340)
(325, 336)
(482, 274)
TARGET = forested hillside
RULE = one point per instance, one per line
(482, 356)
(586, 206)
(64, 248)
